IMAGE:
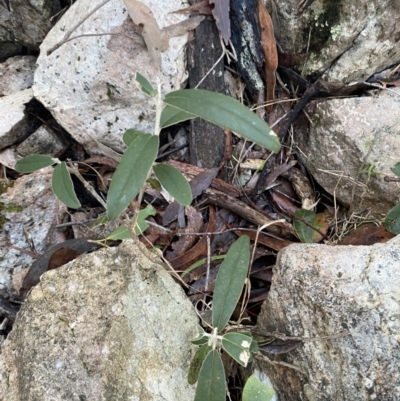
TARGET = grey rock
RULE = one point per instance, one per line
(347, 41)
(89, 84)
(111, 325)
(29, 211)
(26, 24)
(43, 141)
(14, 119)
(16, 74)
(318, 290)
(347, 138)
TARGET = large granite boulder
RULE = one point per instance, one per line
(111, 325)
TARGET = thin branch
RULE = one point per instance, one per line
(76, 26)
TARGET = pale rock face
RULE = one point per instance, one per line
(351, 145)
(16, 74)
(29, 212)
(14, 119)
(320, 290)
(111, 325)
(347, 41)
(89, 83)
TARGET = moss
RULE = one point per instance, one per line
(4, 185)
(325, 24)
(10, 209)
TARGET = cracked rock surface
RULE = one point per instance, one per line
(320, 290)
(111, 325)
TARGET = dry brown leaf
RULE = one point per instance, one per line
(156, 39)
(203, 8)
(185, 242)
(142, 15)
(268, 44)
(221, 15)
(200, 249)
(367, 235)
(179, 29)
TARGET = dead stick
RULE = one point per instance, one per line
(76, 26)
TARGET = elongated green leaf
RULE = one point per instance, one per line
(306, 233)
(256, 390)
(230, 281)
(32, 163)
(201, 262)
(396, 169)
(238, 346)
(155, 184)
(171, 115)
(196, 362)
(130, 135)
(63, 187)
(211, 382)
(131, 173)
(145, 85)
(174, 182)
(392, 221)
(226, 112)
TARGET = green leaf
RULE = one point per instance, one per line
(100, 220)
(396, 169)
(145, 85)
(33, 163)
(155, 184)
(196, 362)
(211, 382)
(226, 112)
(130, 135)
(119, 233)
(201, 338)
(306, 233)
(131, 173)
(141, 224)
(174, 182)
(392, 221)
(201, 262)
(256, 390)
(170, 116)
(237, 345)
(63, 187)
(230, 280)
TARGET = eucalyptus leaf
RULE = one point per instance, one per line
(211, 381)
(226, 112)
(131, 173)
(171, 116)
(174, 182)
(33, 162)
(392, 221)
(237, 345)
(256, 390)
(63, 187)
(230, 280)
(145, 85)
(196, 362)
